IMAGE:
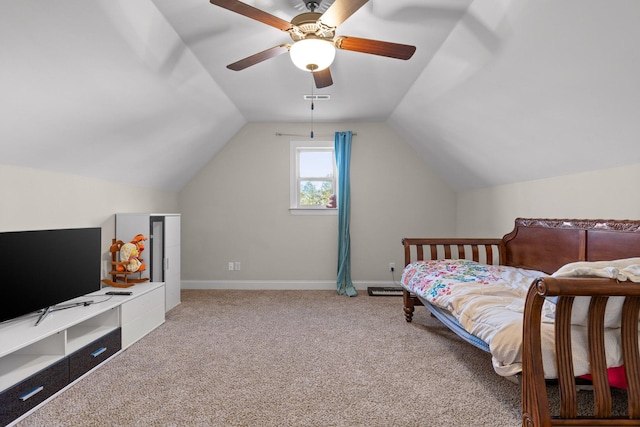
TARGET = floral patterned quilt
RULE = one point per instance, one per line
(440, 281)
(488, 301)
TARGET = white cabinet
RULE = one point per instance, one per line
(36, 362)
(162, 250)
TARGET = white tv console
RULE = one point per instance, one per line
(37, 362)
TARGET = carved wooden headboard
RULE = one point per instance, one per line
(548, 244)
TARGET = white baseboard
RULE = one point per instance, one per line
(308, 285)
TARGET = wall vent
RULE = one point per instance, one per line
(317, 97)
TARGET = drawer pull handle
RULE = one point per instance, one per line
(32, 393)
(99, 351)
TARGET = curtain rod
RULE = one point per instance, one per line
(307, 136)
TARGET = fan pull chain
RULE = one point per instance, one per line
(312, 105)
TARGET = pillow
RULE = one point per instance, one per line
(622, 269)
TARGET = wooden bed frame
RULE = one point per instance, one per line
(546, 245)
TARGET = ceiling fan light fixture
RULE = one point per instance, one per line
(312, 54)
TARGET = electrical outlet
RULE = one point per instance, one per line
(230, 265)
(237, 266)
(392, 266)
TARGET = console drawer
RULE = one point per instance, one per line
(91, 355)
(29, 393)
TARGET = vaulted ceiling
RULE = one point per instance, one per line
(498, 91)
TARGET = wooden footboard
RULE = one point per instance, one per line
(535, 403)
(487, 251)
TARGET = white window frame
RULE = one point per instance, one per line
(296, 147)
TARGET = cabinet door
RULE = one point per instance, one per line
(156, 249)
(141, 315)
(172, 260)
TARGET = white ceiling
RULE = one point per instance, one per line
(498, 91)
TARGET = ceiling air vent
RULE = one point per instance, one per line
(317, 97)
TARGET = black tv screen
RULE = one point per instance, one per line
(43, 268)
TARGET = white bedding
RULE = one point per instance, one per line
(488, 302)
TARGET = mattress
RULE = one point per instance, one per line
(487, 303)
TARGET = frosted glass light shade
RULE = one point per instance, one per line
(312, 54)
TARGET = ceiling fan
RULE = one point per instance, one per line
(313, 33)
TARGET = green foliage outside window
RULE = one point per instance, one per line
(315, 193)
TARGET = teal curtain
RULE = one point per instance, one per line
(343, 158)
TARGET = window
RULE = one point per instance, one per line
(313, 176)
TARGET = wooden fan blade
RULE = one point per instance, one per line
(253, 13)
(375, 47)
(322, 78)
(340, 10)
(258, 57)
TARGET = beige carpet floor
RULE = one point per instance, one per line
(290, 358)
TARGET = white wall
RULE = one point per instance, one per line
(236, 209)
(32, 199)
(602, 194)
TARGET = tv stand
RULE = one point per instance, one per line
(59, 307)
(38, 362)
(43, 315)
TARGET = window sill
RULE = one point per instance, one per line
(321, 211)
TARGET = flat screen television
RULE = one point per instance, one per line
(40, 269)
